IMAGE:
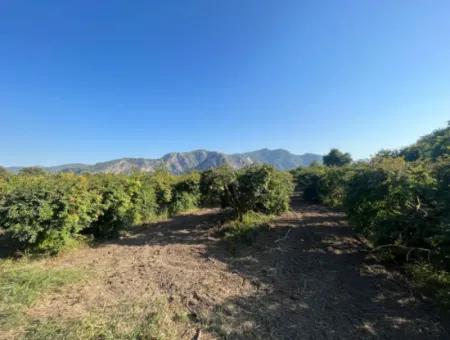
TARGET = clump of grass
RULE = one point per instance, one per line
(21, 284)
(244, 230)
(434, 282)
(138, 320)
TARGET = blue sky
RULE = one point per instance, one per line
(86, 81)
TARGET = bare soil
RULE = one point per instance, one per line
(306, 277)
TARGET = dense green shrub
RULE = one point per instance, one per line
(331, 186)
(392, 202)
(215, 185)
(115, 209)
(143, 198)
(45, 212)
(162, 182)
(185, 193)
(326, 185)
(261, 188)
(307, 180)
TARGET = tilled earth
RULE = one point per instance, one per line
(307, 276)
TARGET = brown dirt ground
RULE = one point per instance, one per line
(306, 277)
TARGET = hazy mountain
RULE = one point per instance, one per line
(281, 159)
(180, 162)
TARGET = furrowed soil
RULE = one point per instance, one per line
(306, 276)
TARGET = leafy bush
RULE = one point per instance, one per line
(143, 198)
(258, 188)
(261, 188)
(215, 186)
(307, 182)
(186, 193)
(115, 209)
(44, 212)
(162, 181)
(392, 202)
(320, 184)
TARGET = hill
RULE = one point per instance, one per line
(181, 162)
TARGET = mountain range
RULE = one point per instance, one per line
(181, 162)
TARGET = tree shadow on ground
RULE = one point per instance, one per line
(310, 279)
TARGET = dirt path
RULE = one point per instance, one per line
(304, 278)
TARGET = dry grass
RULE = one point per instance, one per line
(151, 318)
(22, 283)
(305, 276)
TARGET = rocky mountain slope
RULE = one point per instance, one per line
(181, 162)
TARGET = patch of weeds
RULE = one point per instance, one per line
(150, 319)
(434, 282)
(246, 229)
(21, 284)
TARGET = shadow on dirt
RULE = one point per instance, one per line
(311, 277)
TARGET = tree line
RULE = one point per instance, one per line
(45, 212)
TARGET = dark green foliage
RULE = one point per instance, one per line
(429, 147)
(320, 184)
(258, 188)
(392, 202)
(115, 209)
(163, 181)
(261, 188)
(336, 158)
(45, 212)
(215, 186)
(143, 198)
(307, 182)
(185, 193)
(442, 239)
(332, 185)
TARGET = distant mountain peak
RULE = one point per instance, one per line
(181, 162)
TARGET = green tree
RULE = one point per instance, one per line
(215, 186)
(337, 158)
(261, 188)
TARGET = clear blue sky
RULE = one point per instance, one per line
(86, 81)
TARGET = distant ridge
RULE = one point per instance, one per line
(182, 162)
